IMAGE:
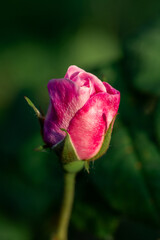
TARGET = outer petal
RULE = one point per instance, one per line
(116, 96)
(90, 123)
(66, 98)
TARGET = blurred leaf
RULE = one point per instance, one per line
(145, 60)
(34, 164)
(150, 160)
(89, 47)
(157, 122)
(11, 230)
(34, 186)
(42, 169)
(135, 230)
(122, 182)
(97, 221)
(20, 199)
(23, 65)
(17, 126)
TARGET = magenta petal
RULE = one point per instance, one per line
(110, 89)
(66, 98)
(90, 123)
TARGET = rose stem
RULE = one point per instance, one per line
(66, 208)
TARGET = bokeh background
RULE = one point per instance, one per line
(119, 41)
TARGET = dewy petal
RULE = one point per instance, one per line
(66, 98)
(90, 123)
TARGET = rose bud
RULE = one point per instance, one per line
(80, 116)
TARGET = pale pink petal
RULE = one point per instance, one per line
(66, 98)
(80, 77)
(73, 71)
(96, 85)
(90, 123)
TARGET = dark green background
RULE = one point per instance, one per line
(119, 41)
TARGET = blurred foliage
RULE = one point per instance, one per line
(119, 41)
(144, 54)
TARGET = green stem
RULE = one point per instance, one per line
(69, 187)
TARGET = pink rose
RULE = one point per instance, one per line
(82, 105)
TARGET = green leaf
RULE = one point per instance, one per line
(106, 142)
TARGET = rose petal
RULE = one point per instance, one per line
(96, 84)
(90, 123)
(73, 71)
(66, 98)
(110, 89)
(80, 77)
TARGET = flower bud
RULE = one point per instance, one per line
(80, 117)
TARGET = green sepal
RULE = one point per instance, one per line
(106, 142)
(65, 150)
(43, 148)
(37, 112)
(86, 165)
(67, 155)
(74, 167)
